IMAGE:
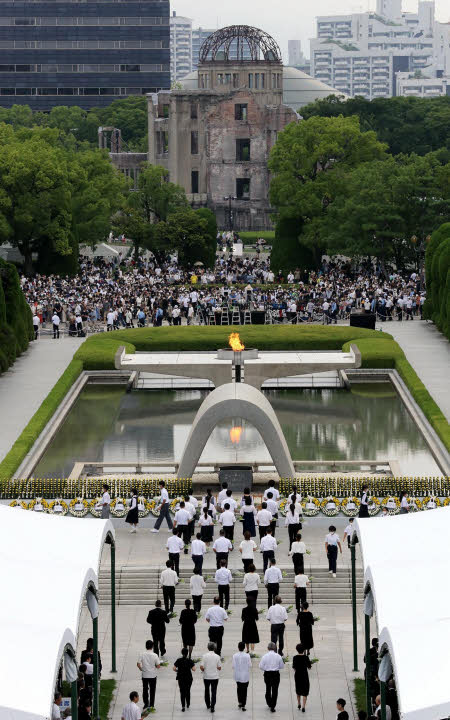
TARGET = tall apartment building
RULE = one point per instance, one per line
(66, 52)
(180, 46)
(295, 53)
(367, 53)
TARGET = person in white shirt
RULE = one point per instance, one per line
(298, 551)
(378, 710)
(168, 581)
(263, 520)
(148, 664)
(301, 582)
(267, 546)
(242, 665)
(292, 522)
(272, 507)
(271, 663)
(247, 548)
(348, 532)
(56, 710)
(56, 321)
(404, 505)
(206, 525)
(197, 585)
(251, 583)
(332, 543)
(216, 616)
(222, 547)
(273, 490)
(272, 579)
(198, 550)
(163, 508)
(131, 710)
(223, 577)
(222, 494)
(36, 325)
(106, 500)
(230, 500)
(210, 667)
(110, 318)
(175, 545)
(227, 520)
(277, 617)
(181, 523)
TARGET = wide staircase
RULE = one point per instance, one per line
(139, 585)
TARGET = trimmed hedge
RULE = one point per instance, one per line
(437, 266)
(16, 324)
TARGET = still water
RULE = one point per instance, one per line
(368, 423)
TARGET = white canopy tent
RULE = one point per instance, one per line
(48, 563)
(101, 250)
(407, 569)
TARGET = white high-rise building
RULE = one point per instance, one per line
(378, 54)
(180, 47)
(295, 53)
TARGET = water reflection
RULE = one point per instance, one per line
(368, 423)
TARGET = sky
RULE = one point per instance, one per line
(283, 19)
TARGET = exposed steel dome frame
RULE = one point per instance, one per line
(259, 42)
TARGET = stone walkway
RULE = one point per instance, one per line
(28, 382)
(428, 351)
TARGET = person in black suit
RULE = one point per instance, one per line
(340, 707)
(158, 618)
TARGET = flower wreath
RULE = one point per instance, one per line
(373, 505)
(58, 507)
(19, 504)
(446, 501)
(95, 507)
(143, 507)
(350, 506)
(38, 505)
(283, 506)
(154, 505)
(330, 506)
(392, 504)
(414, 504)
(173, 505)
(310, 506)
(118, 507)
(430, 502)
(79, 507)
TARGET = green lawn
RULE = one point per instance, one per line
(378, 350)
(360, 694)
(106, 692)
(252, 235)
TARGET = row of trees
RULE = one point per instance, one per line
(437, 263)
(16, 325)
(337, 189)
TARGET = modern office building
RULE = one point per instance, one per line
(180, 46)
(363, 53)
(86, 53)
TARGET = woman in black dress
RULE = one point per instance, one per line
(206, 524)
(248, 513)
(184, 667)
(301, 664)
(364, 506)
(305, 621)
(249, 617)
(133, 513)
(188, 618)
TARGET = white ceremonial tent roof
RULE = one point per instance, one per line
(101, 250)
(47, 563)
(407, 565)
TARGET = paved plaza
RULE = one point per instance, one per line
(330, 678)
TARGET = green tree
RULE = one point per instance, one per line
(287, 251)
(130, 115)
(211, 223)
(187, 233)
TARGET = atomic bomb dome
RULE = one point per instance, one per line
(229, 45)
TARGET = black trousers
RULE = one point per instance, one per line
(277, 636)
(272, 591)
(215, 634)
(246, 562)
(221, 556)
(185, 692)
(292, 532)
(229, 532)
(164, 513)
(253, 594)
(262, 530)
(198, 562)
(183, 532)
(210, 692)
(299, 563)
(55, 331)
(197, 602)
(159, 642)
(148, 684)
(272, 680)
(300, 597)
(273, 524)
(332, 557)
(175, 557)
(267, 555)
(169, 598)
(242, 688)
(224, 594)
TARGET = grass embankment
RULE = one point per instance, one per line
(360, 694)
(378, 350)
(252, 235)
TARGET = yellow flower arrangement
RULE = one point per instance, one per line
(446, 502)
(152, 505)
(414, 504)
(118, 507)
(373, 505)
(283, 506)
(19, 503)
(392, 503)
(58, 507)
(350, 506)
(430, 502)
(39, 504)
(79, 507)
(310, 506)
(173, 505)
(95, 507)
(330, 506)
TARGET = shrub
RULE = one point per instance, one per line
(437, 268)
(16, 324)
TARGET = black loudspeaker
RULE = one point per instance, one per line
(363, 320)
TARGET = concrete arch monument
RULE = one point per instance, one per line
(242, 401)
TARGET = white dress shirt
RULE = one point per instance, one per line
(264, 518)
(272, 506)
(197, 584)
(168, 578)
(273, 575)
(216, 616)
(292, 519)
(251, 581)
(221, 496)
(298, 547)
(301, 580)
(268, 542)
(149, 660)
(193, 500)
(332, 539)
(276, 614)
(182, 517)
(247, 547)
(227, 518)
(231, 502)
(211, 664)
(274, 491)
(131, 711)
(223, 576)
(198, 547)
(271, 662)
(242, 664)
(174, 544)
(190, 509)
(205, 521)
(164, 495)
(222, 544)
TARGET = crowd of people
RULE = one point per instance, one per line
(124, 292)
(192, 533)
